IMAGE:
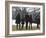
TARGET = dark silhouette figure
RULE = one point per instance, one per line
(38, 20)
(27, 20)
(30, 21)
(23, 16)
(18, 19)
(22, 22)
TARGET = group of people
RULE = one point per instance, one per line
(27, 18)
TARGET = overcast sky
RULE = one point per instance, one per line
(28, 9)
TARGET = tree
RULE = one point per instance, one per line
(36, 16)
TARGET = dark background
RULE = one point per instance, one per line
(35, 12)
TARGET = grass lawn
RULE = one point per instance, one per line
(14, 28)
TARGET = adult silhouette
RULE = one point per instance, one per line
(30, 21)
(18, 19)
(22, 22)
(27, 19)
(23, 16)
(37, 18)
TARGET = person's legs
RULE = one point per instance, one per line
(26, 25)
(17, 27)
(31, 25)
(22, 26)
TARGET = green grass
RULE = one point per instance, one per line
(14, 28)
